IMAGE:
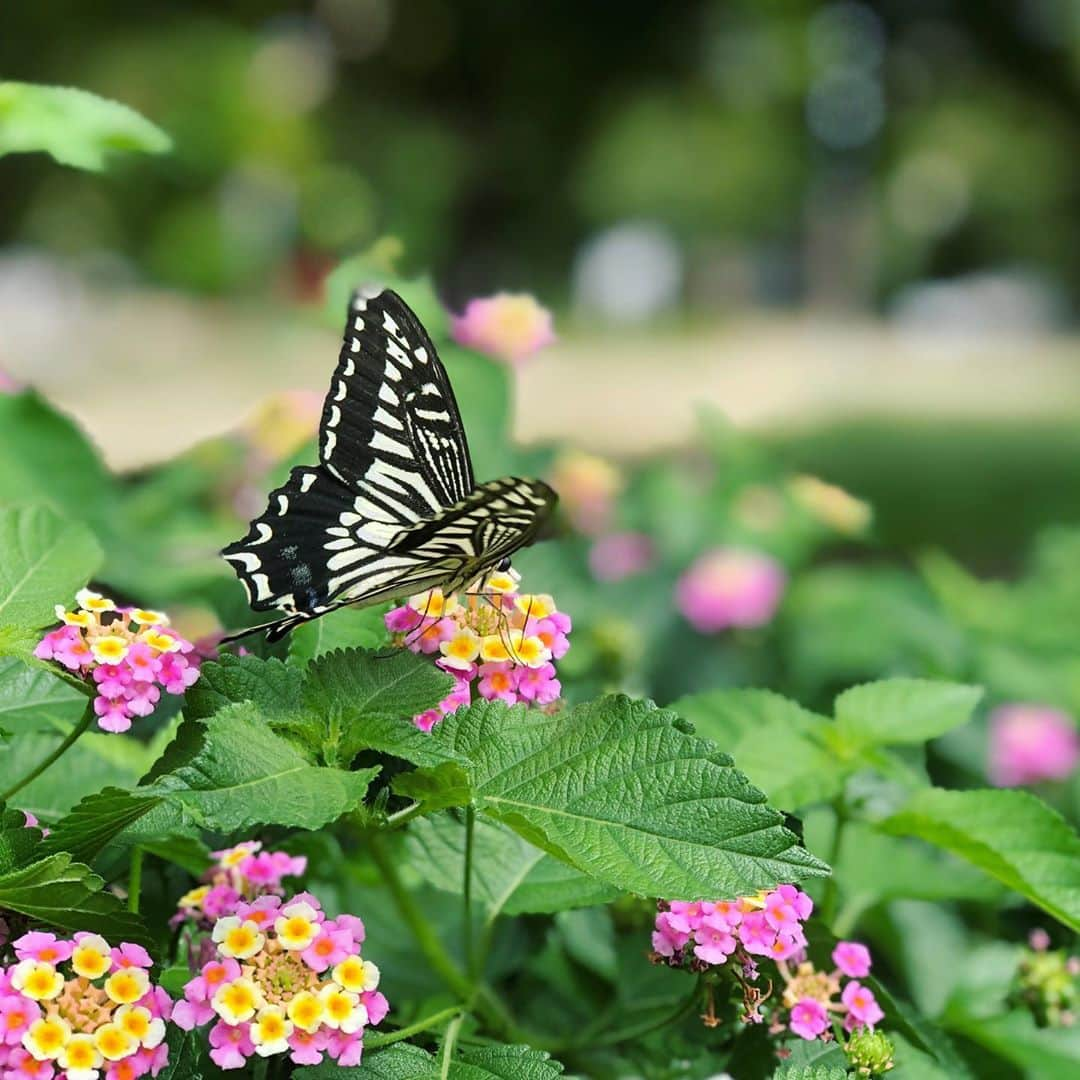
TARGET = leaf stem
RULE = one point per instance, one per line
(830, 898)
(66, 744)
(448, 1046)
(371, 1042)
(135, 879)
(467, 929)
(400, 817)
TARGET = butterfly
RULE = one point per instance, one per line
(392, 508)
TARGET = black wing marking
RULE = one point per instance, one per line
(390, 424)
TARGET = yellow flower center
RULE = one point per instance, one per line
(110, 649)
(350, 974)
(306, 1010)
(90, 963)
(46, 1038)
(80, 1053)
(136, 1022)
(113, 1042)
(127, 986)
(43, 983)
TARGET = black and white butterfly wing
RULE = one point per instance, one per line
(392, 508)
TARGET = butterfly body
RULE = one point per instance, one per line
(392, 508)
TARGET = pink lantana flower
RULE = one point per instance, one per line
(1030, 744)
(730, 588)
(619, 556)
(507, 326)
(809, 1018)
(862, 1007)
(852, 959)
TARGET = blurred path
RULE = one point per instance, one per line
(151, 373)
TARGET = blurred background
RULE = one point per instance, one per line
(852, 228)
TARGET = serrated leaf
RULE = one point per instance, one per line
(405, 1062)
(896, 711)
(366, 701)
(1010, 835)
(617, 790)
(438, 788)
(68, 895)
(44, 560)
(244, 775)
(271, 685)
(34, 699)
(18, 842)
(751, 724)
(97, 820)
(76, 127)
(346, 628)
(810, 1072)
(185, 1054)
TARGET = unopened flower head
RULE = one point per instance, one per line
(286, 980)
(728, 588)
(130, 655)
(588, 487)
(497, 642)
(241, 873)
(733, 934)
(508, 326)
(1030, 744)
(71, 1009)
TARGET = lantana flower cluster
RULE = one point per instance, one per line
(705, 934)
(1048, 982)
(131, 654)
(285, 980)
(243, 872)
(730, 588)
(103, 1016)
(499, 643)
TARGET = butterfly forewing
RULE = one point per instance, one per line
(392, 509)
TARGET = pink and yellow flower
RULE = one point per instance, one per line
(508, 326)
(1031, 744)
(728, 588)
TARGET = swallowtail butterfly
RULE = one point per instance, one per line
(392, 508)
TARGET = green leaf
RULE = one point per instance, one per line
(97, 820)
(273, 687)
(244, 775)
(810, 1072)
(753, 726)
(44, 561)
(185, 1052)
(76, 127)
(34, 699)
(1010, 835)
(405, 1062)
(550, 885)
(1042, 1053)
(66, 894)
(902, 711)
(439, 788)
(618, 790)
(346, 628)
(18, 842)
(366, 701)
(588, 935)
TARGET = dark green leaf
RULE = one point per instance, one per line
(437, 788)
(34, 699)
(68, 895)
(269, 684)
(18, 842)
(244, 775)
(617, 790)
(405, 1062)
(346, 628)
(95, 821)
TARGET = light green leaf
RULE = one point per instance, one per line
(1042, 1053)
(44, 561)
(405, 1062)
(810, 1072)
(68, 895)
(76, 127)
(272, 686)
(551, 885)
(617, 789)
(444, 786)
(366, 700)
(346, 628)
(244, 775)
(774, 741)
(34, 699)
(1010, 835)
(902, 711)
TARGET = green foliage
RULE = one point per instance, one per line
(810, 1072)
(347, 628)
(405, 1062)
(44, 560)
(77, 128)
(692, 827)
(1010, 835)
(244, 775)
(902, 711)
(32, 699)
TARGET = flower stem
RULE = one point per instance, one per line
(467, 929)
(440, 960)
(448, 1046)
(135, 879)
(400, 817)
(371, 1042)
(66, 744)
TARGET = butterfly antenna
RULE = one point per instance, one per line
(416, 632)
